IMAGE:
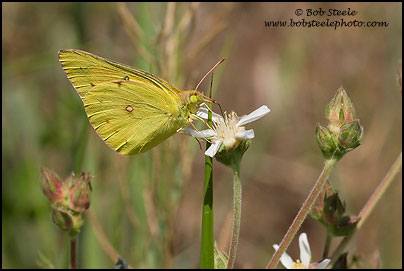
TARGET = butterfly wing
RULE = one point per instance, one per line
(133, 116)
(86, 71)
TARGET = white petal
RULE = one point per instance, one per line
(203, 113)
(200, 134)
(214, 148)
(323, 264)
(253, 116)
(243, 134)
(305, 253)
(286, 260)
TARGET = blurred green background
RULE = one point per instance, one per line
(147, 208)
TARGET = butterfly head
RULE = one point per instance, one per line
(192, 98)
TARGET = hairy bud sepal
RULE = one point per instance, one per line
(350, 135)
(340, 109)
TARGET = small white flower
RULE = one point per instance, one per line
(305, 257)
(228, 131)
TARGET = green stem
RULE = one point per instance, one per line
(207, 238)
(368, 208)
(301, 215)
(327, 245)
(236, 218)
(73, 253)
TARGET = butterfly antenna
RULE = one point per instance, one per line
(213, 101)
(211, 86)
(221, 111)
(203, 78)
(210, 94)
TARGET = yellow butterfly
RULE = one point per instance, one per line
(131, 110)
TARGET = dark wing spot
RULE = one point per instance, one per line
(126, 78)
(129, 108)
(91, 84)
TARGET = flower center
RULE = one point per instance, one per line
(298, 265)
(226, 129)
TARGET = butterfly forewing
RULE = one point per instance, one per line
(131, 116)
(86, 71)
(131, 110)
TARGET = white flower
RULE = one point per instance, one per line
(305, 257)
(228, 131)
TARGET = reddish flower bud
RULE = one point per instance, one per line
(70, 198)
(51, 185)
(79, 193)
(343, 132)
(340, 110)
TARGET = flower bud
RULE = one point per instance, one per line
(69, 198)
(79, 193)
(340, 110)
(333, 208)
(67, 220)
(51, 185)
(343, 132)
(325, 141)
(62, 218)
(331, 213)
(350, 135)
